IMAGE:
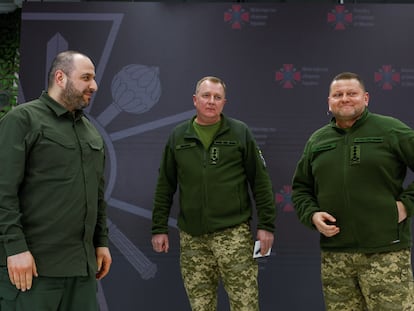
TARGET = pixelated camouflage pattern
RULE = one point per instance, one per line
(368, 282)
(225, 255)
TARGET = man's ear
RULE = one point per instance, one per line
(60, 77)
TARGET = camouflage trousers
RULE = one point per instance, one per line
(368, 282)
(225, 255)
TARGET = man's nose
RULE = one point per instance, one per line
(94, 85)
(211, 99)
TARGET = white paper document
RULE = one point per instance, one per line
(256, 250)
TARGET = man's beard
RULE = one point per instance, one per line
(73, 98)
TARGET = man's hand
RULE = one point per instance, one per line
(402, 212)
(266, 239)
(160, 243)
(104, 261)
(324, 222)
(22, 268)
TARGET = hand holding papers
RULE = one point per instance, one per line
(256, 250)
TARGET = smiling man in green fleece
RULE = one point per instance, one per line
(349, 185)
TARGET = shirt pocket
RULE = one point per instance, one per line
(54, 155)
(94, 153)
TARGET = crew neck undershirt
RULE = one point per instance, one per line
(206, 132)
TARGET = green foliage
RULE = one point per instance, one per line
(9, 58)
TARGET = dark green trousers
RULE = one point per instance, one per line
(49, 294)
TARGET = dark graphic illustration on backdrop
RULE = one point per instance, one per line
(279, 75)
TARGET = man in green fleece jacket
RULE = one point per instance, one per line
(53, 233)
(213, 160)
(349, 185)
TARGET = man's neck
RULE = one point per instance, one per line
(207, 121)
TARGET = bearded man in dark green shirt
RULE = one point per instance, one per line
(53, 233)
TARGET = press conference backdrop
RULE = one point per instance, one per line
(277, 60)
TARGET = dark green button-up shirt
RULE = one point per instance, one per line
(51, 188)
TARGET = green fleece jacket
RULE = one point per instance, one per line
(357, 175)
(213, 184)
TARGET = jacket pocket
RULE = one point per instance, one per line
(223, 152)
(320, 148)
(185, 146)
(368, 140)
